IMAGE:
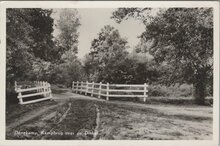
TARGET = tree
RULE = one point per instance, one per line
(66, 73)
(181, 38)
(19, 56)
(29, 42)
(68, 68)
(43, 46)
(68, 25)
(109, 46)
(29, 45)
(90, 68)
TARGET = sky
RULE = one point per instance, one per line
(92, 20)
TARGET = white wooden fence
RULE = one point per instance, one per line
(41, 88)
(111, 90)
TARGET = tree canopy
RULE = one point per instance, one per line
(32, 51)
(181, 37)
(28, 39)
(68, 25)
(175, 47)
(108, 48)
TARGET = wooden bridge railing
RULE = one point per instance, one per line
(111, 90)
(41, 88)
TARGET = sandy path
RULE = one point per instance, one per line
(116, 119)
(30, 115)
(191, 110)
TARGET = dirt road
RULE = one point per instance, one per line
(73, 116)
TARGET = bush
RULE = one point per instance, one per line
(185, 90)
(177, 91)
(157, 91)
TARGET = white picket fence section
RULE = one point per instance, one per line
(41, 88)
(111, 90)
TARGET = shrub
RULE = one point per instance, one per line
(157, 91)
(185, 90)
(177, 91)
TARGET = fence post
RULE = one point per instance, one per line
(86, 88)
(37, 85)
(145, 92)
(49, 89)
(73, 87)
(19, 96)
(77, 86)
(100, 88)
(81, 89)
(107, 97)
(44, 89)
(41, 85)
(40, 90)
(92, 88)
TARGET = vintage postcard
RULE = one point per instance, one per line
(109, 73)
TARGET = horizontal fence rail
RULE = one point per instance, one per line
(40, 88)
(111, 90)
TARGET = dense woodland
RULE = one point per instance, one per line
(176, 48)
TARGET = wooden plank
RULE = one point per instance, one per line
(77, 84)
(126, 95)
(92, 83)
(113, 90)
(73, 86)
(31, 89)
(107, 92)
(81, 87)
(145, 92)
(87, 88)
(97, 89)
(97, 84)
(37, 100)
(35, 94)
(126, 85)
(95, 93)
(100, 88)
(92, 88)
(103, 94)
(20, 99)
(104, 85)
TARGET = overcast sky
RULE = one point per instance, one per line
(92, 20)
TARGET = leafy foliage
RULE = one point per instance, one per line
(66, 73)
(175, 48)
(68, 68)
(68, 25)
(106, 50)
(43, 45)
(29, 45)
(19, 54)
(182, 38)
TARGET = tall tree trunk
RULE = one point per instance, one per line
(200, 88)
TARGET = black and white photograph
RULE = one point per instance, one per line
(126, 72)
